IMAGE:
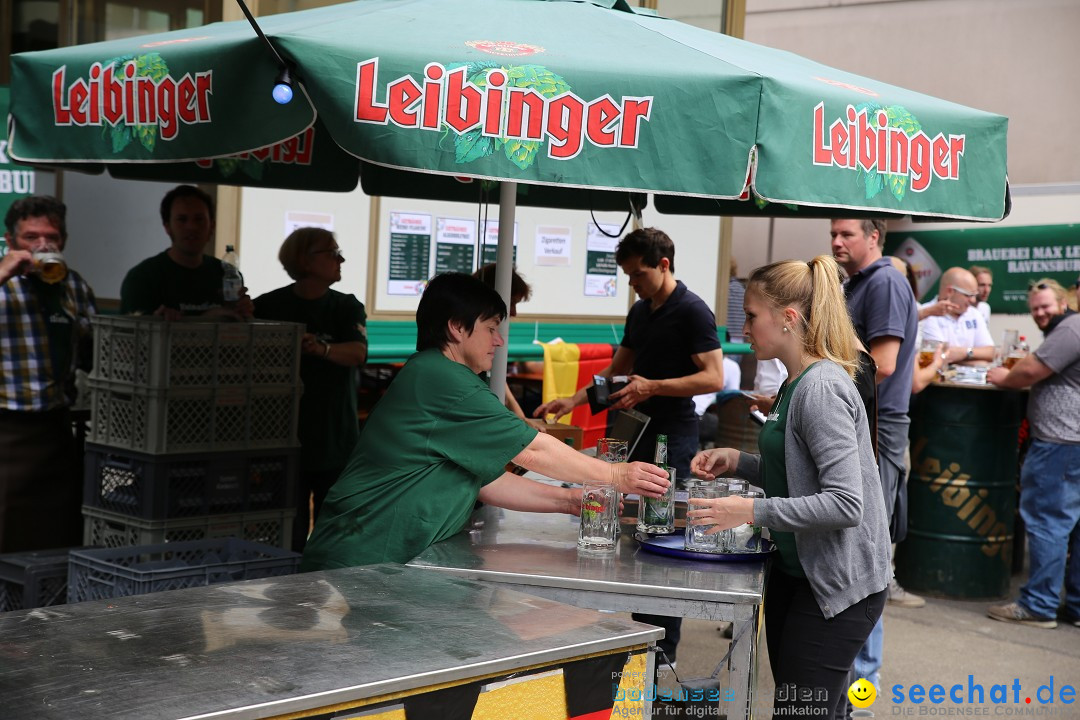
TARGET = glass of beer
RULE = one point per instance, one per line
(926, 353)
(50, 266)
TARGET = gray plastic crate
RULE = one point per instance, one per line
(34, 579)
(151, 353)
(193, 419)
(113, 530)
(162, 487)
(121, 572)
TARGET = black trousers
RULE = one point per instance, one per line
(681, 450)
(40, 482)
(308, 484)
(810, 656)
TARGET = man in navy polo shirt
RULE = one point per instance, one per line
(671, 353)
(886, 319)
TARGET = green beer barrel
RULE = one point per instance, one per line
(962, 492)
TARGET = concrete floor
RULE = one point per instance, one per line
(941, 643)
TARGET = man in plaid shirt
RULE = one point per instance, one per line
(44, 335)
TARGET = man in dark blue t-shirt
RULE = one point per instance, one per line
(886, 318)
(671, 352)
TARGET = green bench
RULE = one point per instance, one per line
(392, 341)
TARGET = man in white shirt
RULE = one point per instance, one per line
(985, 280)
(962, 326)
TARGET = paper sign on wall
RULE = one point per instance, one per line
(601, 270)
(455, 242)
(491, 242)
(410, 253)
(295, 220)
(553, 245)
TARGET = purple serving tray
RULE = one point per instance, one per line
(673, 546)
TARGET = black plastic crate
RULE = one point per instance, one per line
(103, 574)
(165, 487)
(33, 579)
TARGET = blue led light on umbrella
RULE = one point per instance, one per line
(283, 92)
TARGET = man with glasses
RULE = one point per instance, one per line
(182, 280)
(46, 324)
(1050, 475)
(961, 326)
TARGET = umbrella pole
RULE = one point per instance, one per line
(504, 265)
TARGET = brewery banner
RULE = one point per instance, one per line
(16, 181)
(1015, 255)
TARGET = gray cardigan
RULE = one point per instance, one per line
(836, 509)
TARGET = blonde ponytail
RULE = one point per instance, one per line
(830, 333)
(815, 291)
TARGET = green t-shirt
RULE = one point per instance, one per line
(436, 437)
(774, 472)
(158, 281)
(328, 425)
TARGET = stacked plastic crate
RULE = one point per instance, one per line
(193, 432)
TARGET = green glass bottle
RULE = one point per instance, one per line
(657, 515)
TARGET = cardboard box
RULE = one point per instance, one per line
(561, 432)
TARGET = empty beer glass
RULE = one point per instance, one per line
(599, 516)
(612, 450)
(696, 539)
(747, 538)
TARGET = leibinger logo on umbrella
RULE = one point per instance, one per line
(489, 107)
(135, 97)
(887, 147)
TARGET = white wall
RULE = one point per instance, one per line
(112, 226)
(263, 215)
(557, 291)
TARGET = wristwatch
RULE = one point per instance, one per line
(970, 353)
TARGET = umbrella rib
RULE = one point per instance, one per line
(259, 32)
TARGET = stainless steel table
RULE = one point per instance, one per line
(303, 644)
(537, 553)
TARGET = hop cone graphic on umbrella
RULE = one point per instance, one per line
(474, 145)
(874, 182)
(150, 65)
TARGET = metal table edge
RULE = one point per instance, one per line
(440, 677)
(609, 586)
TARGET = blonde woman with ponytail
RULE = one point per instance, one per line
(823, 503)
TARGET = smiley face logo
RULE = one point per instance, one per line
(862, 693)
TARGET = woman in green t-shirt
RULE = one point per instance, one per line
(824, 505)
(439, 439)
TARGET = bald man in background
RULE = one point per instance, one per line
(959, 324)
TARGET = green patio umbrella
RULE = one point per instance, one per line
(542, 93)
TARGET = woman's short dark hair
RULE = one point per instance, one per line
(649, 244)
(458, 298)
(520, 290)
